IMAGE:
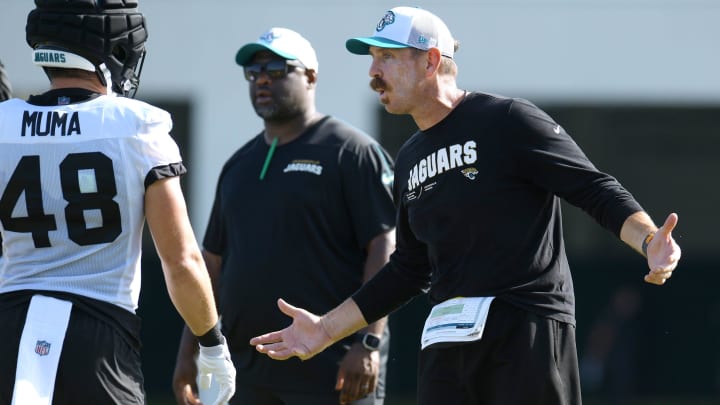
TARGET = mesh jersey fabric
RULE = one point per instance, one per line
(74, 179)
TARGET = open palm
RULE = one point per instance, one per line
(304, 338)
(663, 253)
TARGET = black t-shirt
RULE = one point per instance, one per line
(479, 210)
(301, 234)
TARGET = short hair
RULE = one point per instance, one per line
(447, 64)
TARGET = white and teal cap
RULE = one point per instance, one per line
(403, 27)
(283, 42)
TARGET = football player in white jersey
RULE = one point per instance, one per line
(82, 166)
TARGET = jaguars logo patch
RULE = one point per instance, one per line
(470, 173)
(387, 19)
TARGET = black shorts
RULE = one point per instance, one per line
(522, 358)
(99, 363)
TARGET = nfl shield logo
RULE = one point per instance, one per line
(42, 347)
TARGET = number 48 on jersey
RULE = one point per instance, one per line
(88, 186)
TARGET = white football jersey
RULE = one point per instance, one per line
(72, 187)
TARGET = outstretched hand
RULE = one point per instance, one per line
(663, 253)
(304, 338)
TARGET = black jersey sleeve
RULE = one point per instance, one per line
(384, 293)
(163, 172)
(214, 240)
(406, 275)
(548, 157)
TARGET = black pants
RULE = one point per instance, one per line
(522, 358)
(97, 364)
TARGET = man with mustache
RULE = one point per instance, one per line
(479, 229)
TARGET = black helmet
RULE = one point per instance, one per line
(110, 34)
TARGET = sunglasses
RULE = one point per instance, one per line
(275, 69)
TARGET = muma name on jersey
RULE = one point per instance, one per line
(50, 123)
(442, 160)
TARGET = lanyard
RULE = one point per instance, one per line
(268, 157)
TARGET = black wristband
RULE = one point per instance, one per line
(213, 337)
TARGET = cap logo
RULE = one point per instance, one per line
(387, 19)
(269, 36)
(422, 39)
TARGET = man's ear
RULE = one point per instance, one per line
(311, 77)
(434, 57)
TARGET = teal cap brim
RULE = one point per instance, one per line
(245, 54)
(361, 46)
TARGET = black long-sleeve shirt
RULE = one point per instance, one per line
(478, 210)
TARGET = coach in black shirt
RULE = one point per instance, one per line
(304, 211)
(478, 191)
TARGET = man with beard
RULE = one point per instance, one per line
(303, 210)
(479, 229)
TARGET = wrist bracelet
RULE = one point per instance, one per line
(646, 242)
